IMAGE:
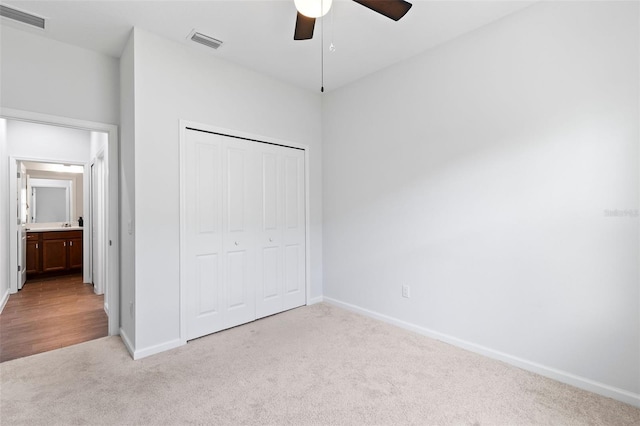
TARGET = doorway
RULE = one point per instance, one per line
(50, 209)
(108, 218)
(55, 307)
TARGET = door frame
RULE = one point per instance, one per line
(96, 164)
(187, 124)
(112, 255)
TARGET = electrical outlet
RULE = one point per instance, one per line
(406, 291)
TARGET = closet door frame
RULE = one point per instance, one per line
(185, 125)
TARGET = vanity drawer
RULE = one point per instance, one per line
(33, 236)
(61, 235)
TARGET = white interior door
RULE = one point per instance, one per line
(204, 252)
(22, 225)
(269, 288)
(92, 221)
(294, 229)
(281, 238)
(97, 223)
(238, 194)
(244, 231)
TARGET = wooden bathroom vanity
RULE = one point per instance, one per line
(54, 252)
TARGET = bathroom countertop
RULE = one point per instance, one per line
(57, 228)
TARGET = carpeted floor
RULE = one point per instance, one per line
(312, 365)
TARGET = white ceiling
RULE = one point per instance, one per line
(258, 34)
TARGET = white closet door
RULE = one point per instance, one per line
(293, 239)
(281, 238)
(269, 262)
(245, 231)
(203, 239)
(239, 221)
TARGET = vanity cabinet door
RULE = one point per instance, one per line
(75, 253)
(54, 255)
(33, 254)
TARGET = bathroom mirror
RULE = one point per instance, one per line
(50, 200)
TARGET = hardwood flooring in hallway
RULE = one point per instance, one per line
(49, 314)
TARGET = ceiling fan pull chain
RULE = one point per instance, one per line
(322, 50)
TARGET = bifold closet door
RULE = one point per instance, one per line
(281, 237)
(245, 237)
(203, 239)
(220, 253)
(239, 224)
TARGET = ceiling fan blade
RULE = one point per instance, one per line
(394, 9)
(304, 27)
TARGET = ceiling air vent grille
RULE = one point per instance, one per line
(25, 18)
(204, 39)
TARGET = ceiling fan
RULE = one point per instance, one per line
(309, 10)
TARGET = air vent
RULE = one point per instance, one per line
(204, 39)
(25, 18)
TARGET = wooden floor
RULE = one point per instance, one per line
(49, 314)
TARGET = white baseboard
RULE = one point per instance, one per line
(552, 373)
(4, 300)
(315, 300)
(127, 343)
(152, 350)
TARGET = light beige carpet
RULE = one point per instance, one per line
(312, 365)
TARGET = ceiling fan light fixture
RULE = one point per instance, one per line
(313, 8)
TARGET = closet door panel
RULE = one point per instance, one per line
(236, 189)
(237, 280)
(270, 192)
(292, 261)
(294, 192)
(203, 234)
(270, 273)
(239, 192)
(294, 228)
(208, 285)
(269, 266)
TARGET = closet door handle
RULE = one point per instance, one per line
(237, 243)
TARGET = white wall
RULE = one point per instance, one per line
(480, 173)
(47, 143)
(42, 75)
(4, 232)
(173, 83)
